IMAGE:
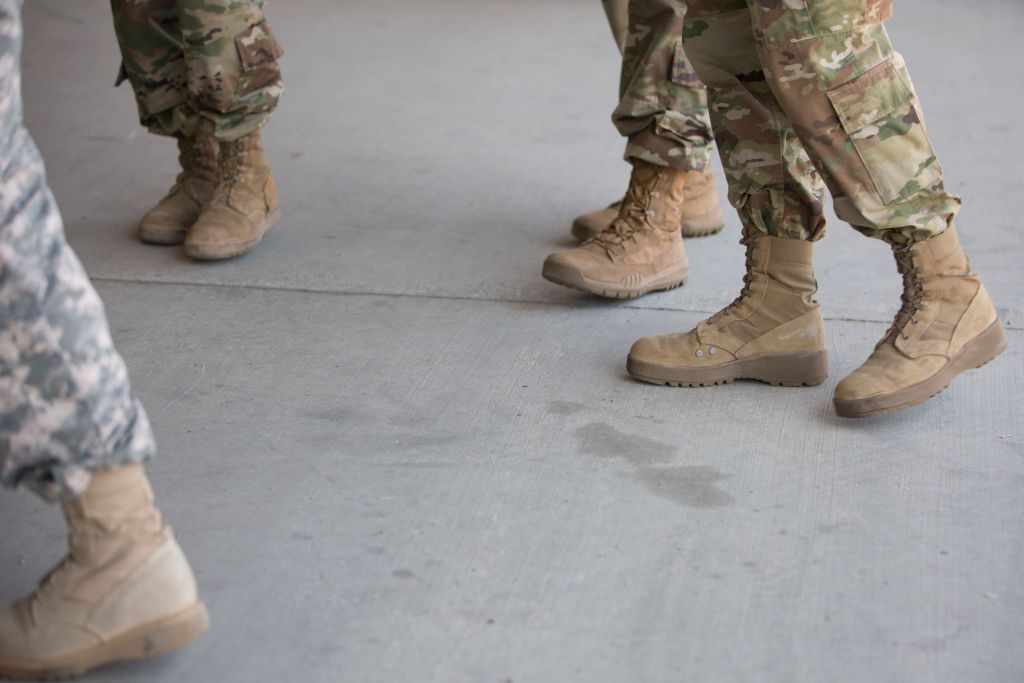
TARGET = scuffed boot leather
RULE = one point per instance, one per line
(244, 205)
(946, 325)
(641, 252)
(773, 332)
(124, 590)
(169, 221)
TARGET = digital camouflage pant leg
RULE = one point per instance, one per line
(792, 79)
(199, 66)
(663, 109)
(65, 404)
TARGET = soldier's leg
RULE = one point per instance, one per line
(663, 108)
(663, 114)
(773, 331)
(635, 246)
(153, 62)
(848, 92)
(199, 66)
(231, 58)
(206, 72)
(71, 431)
(772, 182)
(865, 132)
(65, 403)
(149, 34)
(231, 61)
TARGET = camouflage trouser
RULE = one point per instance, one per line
(618, 19)
(663, 108)
(199, 66)
(65, 404)
(800, 88)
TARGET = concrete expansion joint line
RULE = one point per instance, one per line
(1010, 327)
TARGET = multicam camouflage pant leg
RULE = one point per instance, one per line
(663, 109)
(65, 404)
(618, 19)
(772, 182)
(199, 66)
(837, 84)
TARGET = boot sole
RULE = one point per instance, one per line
(161, 238)
(229, 251)
(983, 349)
(632, 288)
(790, 370)
(153, 639)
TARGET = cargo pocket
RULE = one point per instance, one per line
(882, 118)
(259, 51)
(682, 70)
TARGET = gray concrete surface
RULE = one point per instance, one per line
(394, 453)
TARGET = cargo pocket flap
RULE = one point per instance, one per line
(258, 46)
(871, 97)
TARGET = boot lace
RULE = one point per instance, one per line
(632, 221)
(912, 296)
(748, 279)
(230, 166)
(229, 169)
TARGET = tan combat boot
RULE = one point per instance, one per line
(946, 325)
(123, 591)
(701, 214)
(170, 220)
(243, 207)
(773, 332)
(642, 251)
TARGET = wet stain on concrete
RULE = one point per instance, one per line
(603, 441)
(403, 574)
(691, 486)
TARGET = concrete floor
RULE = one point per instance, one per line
(394, 453)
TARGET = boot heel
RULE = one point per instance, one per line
(796, 370)
(167, 635)
(983, 349)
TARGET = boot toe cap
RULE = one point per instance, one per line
(665, 350)
(887, 371)
(571, 267)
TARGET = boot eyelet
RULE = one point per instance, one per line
(712, 350)
(700, 353)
